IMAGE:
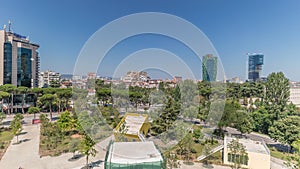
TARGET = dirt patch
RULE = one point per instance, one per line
(76, 136)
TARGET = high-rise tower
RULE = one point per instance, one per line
(19, 60)
(255, 62)
(209, 68)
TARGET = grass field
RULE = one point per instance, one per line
(5, 138)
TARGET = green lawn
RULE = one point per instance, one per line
(278, 154)
(62, 147)
(5, 137)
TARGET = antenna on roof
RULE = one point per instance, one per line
(9, 26)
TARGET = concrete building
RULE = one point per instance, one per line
(46, 77)
(133, 127)
(129, 155)
(295, 95)
(135, 77)
(19, 60)
(258, 154)
(255, 62)
(209, 68)
(234, 80)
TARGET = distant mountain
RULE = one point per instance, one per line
(66, 76)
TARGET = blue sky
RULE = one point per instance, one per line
(234, 27)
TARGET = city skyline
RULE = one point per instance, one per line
(234, 30)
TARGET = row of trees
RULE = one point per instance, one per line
(54, 133)
(251, 106)
(49, 99)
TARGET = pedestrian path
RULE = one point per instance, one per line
(26, 154)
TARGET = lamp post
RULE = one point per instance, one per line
(32, 61)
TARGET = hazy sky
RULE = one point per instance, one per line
(234, 27)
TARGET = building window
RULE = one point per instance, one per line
(24, 68)
(233, 158)
(7, 63)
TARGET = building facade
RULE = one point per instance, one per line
(209, 68)
(258, 154)
(133, 155)
(295, 95)
(255, 63)
(19, 60)
(46, 77)
(133, 127)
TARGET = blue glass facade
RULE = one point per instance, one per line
(255, 66)
(209, 68)
(7, 63)
(24, 68)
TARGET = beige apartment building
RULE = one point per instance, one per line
(258, 154)
(295, 95)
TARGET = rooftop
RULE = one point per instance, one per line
(133, 152)
(134, 122)
(251, 146)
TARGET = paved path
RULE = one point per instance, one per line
(277, 164)
(200, 166)
(26, 154)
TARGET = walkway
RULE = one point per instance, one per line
(26, 154)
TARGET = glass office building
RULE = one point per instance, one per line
(209, 68)
(255, 63)
(19, 60)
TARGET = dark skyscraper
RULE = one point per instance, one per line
(209, 68)
(255, 62)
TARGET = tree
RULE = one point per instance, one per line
(207, 153)
(2, 117)
(22, 90)
(122, 131)
(261, 120)
(286, 130)
(172, 161)
(33, 110)
(177, 94)
(277, 95)
(66, 122)
(48, 99)
(187, 143)
(243, 122)
(87, 148)
(73, 146)
(229, 115)
(4, 96)
(198, 135)
(9, 88)
(63, 96)
(237, 153)
(294, 161)
(16, 125)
